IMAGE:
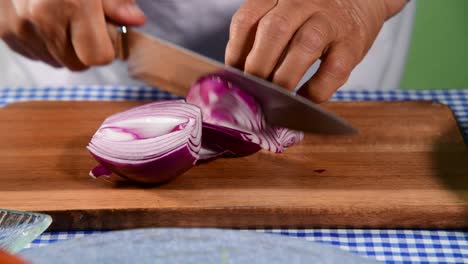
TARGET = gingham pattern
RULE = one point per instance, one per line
(391, 246)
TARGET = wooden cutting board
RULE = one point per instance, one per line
(408, 167)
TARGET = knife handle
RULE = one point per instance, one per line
(118, 36)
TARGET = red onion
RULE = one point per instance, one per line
(156, 142)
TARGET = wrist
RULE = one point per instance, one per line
(394, 6)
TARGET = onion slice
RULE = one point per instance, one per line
(227, 106)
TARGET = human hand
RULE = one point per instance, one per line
(65, 33)
(280, 40)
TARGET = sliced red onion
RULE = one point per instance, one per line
(150, 144)
(226, 105)
(156, 142)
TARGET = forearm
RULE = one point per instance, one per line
(394, 6)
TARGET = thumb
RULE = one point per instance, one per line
(124, 12)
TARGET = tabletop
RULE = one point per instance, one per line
(388, 245)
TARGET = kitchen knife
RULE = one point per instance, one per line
(172, 68)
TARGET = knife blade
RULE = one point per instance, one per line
(175, 69)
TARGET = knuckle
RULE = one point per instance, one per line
(276, 26)
(289, 84)
(285, 82)
(354, 52)
(339, 69)
(253, 68)
(316, 95)
(320, 96)
(243, 19)
(311, 40)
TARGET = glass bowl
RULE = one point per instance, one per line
(18, 229)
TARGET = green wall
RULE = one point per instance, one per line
(438, 57)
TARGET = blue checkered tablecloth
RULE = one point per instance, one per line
(390, 246)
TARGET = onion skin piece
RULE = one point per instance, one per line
(99, 170)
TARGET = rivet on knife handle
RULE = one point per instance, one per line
(118, 35)
(121, 48)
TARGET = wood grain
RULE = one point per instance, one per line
(408, 167)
